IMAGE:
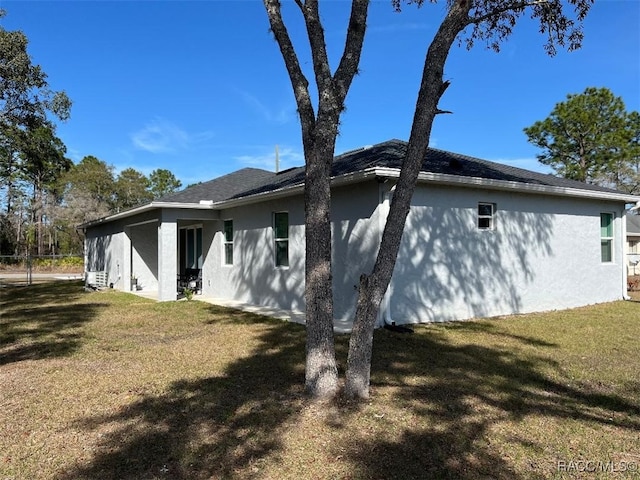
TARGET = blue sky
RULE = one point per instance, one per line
(200, 88)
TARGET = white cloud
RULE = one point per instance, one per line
(288, 157)
(163, 136)
(279, 116)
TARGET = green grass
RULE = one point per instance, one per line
(107, 385)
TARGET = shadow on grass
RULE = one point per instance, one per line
(489, 328)
(445, 383)
(229, 426)
(42, 321)
(213, 427)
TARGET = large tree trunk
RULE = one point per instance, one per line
(372, 287)
(321, 373)
(319, 137)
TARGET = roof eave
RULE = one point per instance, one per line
(145, 208)
(456, 180)
(384, 172)
(336, 181)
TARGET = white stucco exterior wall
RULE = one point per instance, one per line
(144, 246)
(167, 256)
(253, 277)
(543, 254)
(356, 239)
(104, 252)
(144, 255)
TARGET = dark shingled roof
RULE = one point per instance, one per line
(221, 188)
(390, 154)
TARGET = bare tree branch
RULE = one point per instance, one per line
(299, 82)
(350, 60)
(315, 33)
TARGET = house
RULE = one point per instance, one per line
(633, 244)
(481, 239)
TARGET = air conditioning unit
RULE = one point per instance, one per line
(90, 278)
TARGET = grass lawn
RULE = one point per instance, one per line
(107, 385)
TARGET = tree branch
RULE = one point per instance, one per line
(315, 33)
(350, 60)
(508, 7)
(431, 89)
(299, 82)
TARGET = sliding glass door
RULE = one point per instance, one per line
(190, 248)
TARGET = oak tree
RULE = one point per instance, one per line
(489, 21)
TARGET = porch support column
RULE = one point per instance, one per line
(167, 256)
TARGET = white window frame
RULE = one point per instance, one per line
(226, 243)
(607, 238)
(280, 240)
(491, 217)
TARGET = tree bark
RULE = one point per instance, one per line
(373, 286)
(318, 138)
(321, 372)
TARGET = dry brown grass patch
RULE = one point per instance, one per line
(110, 386)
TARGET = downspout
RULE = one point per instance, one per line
(384, 315)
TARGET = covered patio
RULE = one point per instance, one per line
(165, 253)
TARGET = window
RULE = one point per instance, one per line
(486, 216)
(281, 231)
(634, 246)
(228, 242)
(606, 237)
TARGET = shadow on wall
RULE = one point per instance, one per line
(144, 255)
(356, 240)
(257, 280)
(99, 256)
(448, 269)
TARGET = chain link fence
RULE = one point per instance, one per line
(29, 269)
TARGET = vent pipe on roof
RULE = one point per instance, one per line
(277, 160)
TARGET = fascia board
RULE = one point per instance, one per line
(372, 172)
(143, 209)
(455, 180)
